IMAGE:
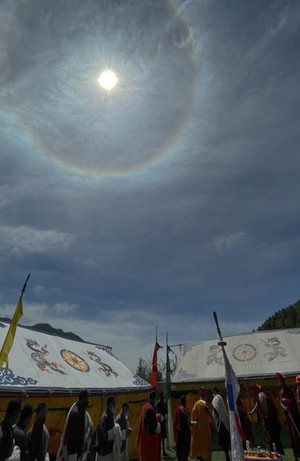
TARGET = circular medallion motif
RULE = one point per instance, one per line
(74, 361)
(244, 352)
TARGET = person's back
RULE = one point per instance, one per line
(221, 422)
(75, 440)
(105, 428)
(37, 436)
(19, 431)
(149, 432)
(182, 432)
(201, 431)
(122, 420)
(161, 408)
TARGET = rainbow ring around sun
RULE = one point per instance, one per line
(104, 110)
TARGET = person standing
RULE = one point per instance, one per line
(77, 431)
(182, 431)
(288, 403)
(149, 432)
(122, 420)
(201, 430)
(298, 388)
(20, 431)
(267, 416)
(161, 408)
(221, 420)
(7, 449)
(109, 434)
(246, 424)
(38, 436)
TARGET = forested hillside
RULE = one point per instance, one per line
(288, 317)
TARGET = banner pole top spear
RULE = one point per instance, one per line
(221, 342)
(24, 286)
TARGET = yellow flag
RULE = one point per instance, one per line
(9, 340)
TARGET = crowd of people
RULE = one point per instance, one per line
(18, 440)
(192, 431)
(22, 441)
(79, 442)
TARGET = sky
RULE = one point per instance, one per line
(172, 195)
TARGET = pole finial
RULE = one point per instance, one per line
(221, 342)
(25, 284)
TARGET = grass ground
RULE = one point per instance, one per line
(219, 455)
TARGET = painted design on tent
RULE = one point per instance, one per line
(75, 361)
(137, 381)
(215, 356)
(103, 368)
(2, 325)
(106, 349)
(183, 374)
(294, 332)
(275, 349)
(7, 376)
(39, 356)
(244, 352)
(188, 347)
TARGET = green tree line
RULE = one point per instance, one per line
(288, 317)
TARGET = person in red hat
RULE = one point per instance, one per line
(267, 416)
(289, 404)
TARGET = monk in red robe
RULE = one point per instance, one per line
(288, 403)
(182, 431)
(267, 416)
(149, 432)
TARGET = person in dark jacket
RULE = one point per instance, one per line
(38, 436)
(78, 430)
(161, 408)
(12, 415)
(105, 428)
(122, 420)
(267, 416)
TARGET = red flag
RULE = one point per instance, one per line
(154, 366)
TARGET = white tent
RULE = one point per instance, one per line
(40, 361)
(52, 370)
(252, 355)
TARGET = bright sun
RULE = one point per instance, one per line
(108, 80)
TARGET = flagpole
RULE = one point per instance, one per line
(221, 342)
(232, 389)
(166, 386)
(170, 434)
(10, 336)
(24, 286)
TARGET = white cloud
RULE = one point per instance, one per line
(130, 333)
(20, 240)
(228, 242)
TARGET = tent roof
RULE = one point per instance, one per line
(257, 354)
(41, 362)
